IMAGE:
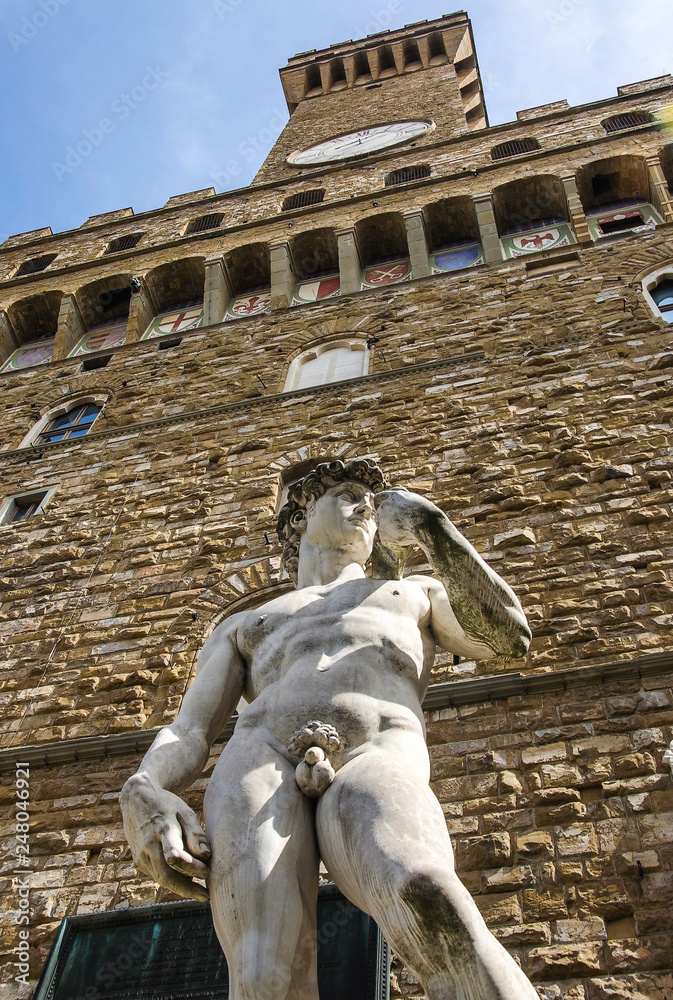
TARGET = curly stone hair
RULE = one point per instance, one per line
(308, 490)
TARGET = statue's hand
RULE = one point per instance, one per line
(166, 840)
(402, 515)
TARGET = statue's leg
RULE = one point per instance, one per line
(383, 837)
(264, 873)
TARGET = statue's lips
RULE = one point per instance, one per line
(360, 521)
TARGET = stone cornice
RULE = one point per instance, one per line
(439, 696)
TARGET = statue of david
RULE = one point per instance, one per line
(328, 760)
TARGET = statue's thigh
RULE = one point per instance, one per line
(379, 823)
(263, 882)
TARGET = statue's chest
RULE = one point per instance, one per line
(323, 615)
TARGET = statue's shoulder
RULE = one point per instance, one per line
(227, 630)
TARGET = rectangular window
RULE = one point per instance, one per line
(25, 505)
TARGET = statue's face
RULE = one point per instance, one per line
(343, 518)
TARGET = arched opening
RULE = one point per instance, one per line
(33, 323)
(249, 269)
(384, 249)
(316, 260)
(514, 148)
(104, 307)
(334, 361)
(176, 290)
(629, 120)
(453, 234)
(532, 215)
(406, 174)
(615, 194)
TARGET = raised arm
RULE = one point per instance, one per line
(475, 613)
(166, 839)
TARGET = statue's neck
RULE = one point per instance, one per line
(320, 567)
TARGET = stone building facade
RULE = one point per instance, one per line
(486, 310)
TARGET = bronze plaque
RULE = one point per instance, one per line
(170, 952)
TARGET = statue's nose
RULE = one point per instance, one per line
(365, 506)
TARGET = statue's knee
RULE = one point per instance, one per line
(436, 908)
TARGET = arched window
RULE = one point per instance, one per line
(74, 423)
(663, 299)
(69, 420)
(658, 289)
(329, 363)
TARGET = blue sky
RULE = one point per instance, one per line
(171, 91)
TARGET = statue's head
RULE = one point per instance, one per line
(305, 494)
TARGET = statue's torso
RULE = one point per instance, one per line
(355, 655)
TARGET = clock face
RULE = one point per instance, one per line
(366, 140)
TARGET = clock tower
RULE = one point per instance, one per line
(345, 101)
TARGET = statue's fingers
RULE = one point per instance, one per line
(182, 885)
(194, 837)
(177, 857)
(153, 863)
(189, 866)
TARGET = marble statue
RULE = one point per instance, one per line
(328, 760)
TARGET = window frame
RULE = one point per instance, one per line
(312, 353)
(120, 244)
(197, 224)
(31, 439)
(652, 281)
(40, 497)
(24, 268)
